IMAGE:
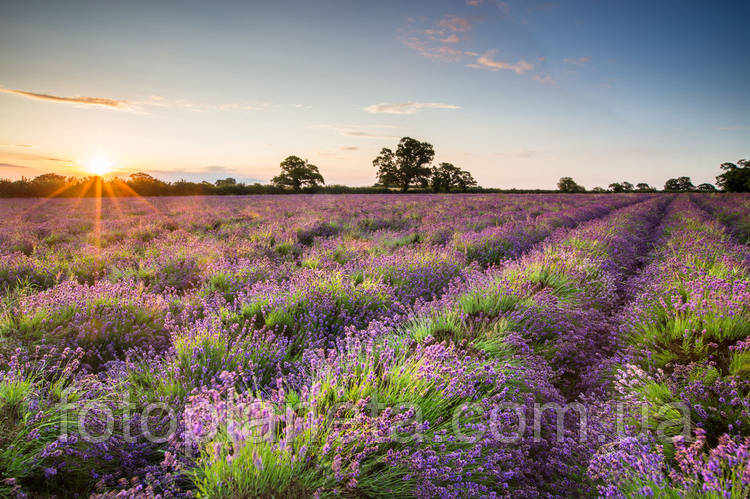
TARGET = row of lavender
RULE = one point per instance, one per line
(733, 210)
(681, 377)
(88, 355)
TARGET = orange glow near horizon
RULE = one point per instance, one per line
(98, 165)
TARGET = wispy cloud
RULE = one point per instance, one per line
(486, 61)
(340, 153)
(155, 101)
(15, 167)
(577, 61)
(455, 24)
(734, 128)
(217, 169)
(431, 51)
(438, 39)
(362, 131)
(159, 101)
(25, 156)
(88, 101)
(409, 107)
(17, 145)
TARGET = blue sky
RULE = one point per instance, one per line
(518, 92)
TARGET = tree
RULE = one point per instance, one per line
(146, 185)
(644, 187)
(736, 177)
(680, 184)
(49, 178)
(48, 184)
(297, 173)
(407, 167)
(706, 188)
(229, 181)
(567, 184)
(621, 187)
(464, 180)
(140, 177)
(445, 177)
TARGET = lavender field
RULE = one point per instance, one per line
(488, 345)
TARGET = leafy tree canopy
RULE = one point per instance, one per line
(446, 177)
(736, 177)
(706, 187)
(408, 166)
(680, 184)
(142, 177)
(621, 187)
(297, 173)
(567, 184)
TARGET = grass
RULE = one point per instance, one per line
(491, 300)
(674, 332)
(34, 411)
(103, 327)
(450, 325)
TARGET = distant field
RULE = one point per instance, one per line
(376, 346)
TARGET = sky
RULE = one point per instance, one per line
(518, 92)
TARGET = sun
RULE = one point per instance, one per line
(98, 165)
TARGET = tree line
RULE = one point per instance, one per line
(680, 184)
(736, 178)
(407, 168)
(143, 184)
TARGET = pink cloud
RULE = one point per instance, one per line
(486, 61)
(455, 24)
(409, 107)
(451, 39)
(91, 101)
